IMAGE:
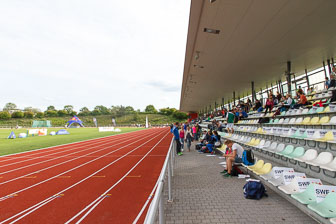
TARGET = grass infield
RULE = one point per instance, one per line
(9, 146)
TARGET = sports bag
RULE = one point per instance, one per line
(254, 190)
(248, 157)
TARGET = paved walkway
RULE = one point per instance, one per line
(202, 195)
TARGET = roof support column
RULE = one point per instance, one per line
(253, 92)
(267, 91)
(288, 77)
(234, 98)
(325, 71)
(222, 103)
(332, 61)
(307, 78)
(281, 86)
(329, 67)
(215, 106)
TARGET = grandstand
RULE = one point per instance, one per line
(240, 50)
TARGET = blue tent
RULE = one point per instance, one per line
(75, 120)
(12, 135)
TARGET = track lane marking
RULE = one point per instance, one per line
(19, 168)
(46, 201)
(97, 146)
(58, 164)
(98, 200)
(140, 138)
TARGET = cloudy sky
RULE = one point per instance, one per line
(92, 52)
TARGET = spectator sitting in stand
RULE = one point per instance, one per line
(269, 104)
(327, 83)
(214, 139)
(257, 105)
(279, 97)
(234, 156)
(242, 114)
(302, 101)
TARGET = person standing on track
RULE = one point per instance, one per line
(177, 138)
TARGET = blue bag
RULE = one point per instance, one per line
(254, 190)
(248, 158)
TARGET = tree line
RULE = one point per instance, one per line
(11, 111)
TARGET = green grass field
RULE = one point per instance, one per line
(9, 146)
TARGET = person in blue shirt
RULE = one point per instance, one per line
(214, 138)
(177, 138)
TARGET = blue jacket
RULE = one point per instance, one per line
(176, 133)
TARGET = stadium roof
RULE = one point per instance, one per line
(254, 43)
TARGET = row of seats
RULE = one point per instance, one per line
(298, 112)
(326, 120)
(319, 96)
(324, 160)
(299, 187)
(320, 135)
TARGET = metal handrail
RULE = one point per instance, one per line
(158, 194)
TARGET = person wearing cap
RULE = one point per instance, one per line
(234, 155)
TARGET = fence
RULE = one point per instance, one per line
(158, 200)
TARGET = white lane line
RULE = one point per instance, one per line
(44, 161)
(75, 158)
(83, 164)
(58, 152)
(41, 150)
(34, 209)
(47, 199)
(96, 202)
(145, 205)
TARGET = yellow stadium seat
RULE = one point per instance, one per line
(256, 166)
(264, 170)
(251, 142)
(306, 121)
(327, 137)
(314, 121)
(324, 120)
(257, 141)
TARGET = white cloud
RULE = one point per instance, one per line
(87, 53)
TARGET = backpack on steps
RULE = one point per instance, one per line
(254, 190)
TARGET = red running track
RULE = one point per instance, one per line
(106, 180)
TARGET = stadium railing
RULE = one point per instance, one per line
(158, 200)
